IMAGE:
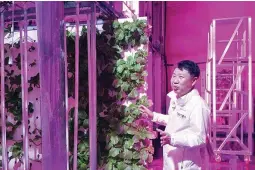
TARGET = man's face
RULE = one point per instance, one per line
(182, 82)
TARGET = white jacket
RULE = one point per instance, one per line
(187, 123)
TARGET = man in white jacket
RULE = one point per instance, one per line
(187, 121)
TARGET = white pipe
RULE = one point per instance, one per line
(250, 128)
(12, 22)
(214, 79)
(66, 98)
(92, 92)
(25, 94)
(76, 89)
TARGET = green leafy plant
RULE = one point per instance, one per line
(130, 33)
(129, 141)
(123, 136)
(13, 104)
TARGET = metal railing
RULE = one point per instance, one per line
(227, 102)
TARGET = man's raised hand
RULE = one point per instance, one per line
(146, 112)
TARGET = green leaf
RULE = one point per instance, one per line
(114, 140)
(120, 36)
(136, 155)
(129, 167)
(130, 60)
(126, 39)
(127, 154)
(120, 68)
(133, 76)
(119, 96)
(118, 48)
(143, 134)
(126, 73)
(127, 26)
(121, 165)
(83, 165)
(86, 122)
(135, 112)
(125, 86)
(128, 119)
(114, 152)
(83, 147)
(143, 40)
(115, 24)
(133, 42)
(133, 93)
(132, 27)
(135, 167)
(131, 131)
(137, 67)
(120, 62)
(142, 167)
(109, 166)
(120, 82)
(129, 143)
(144, 155)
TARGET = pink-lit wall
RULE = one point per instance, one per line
(187, 26)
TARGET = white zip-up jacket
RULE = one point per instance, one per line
(187, 122)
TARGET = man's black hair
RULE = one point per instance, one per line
(190, 66)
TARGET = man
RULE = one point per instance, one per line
(186, 123)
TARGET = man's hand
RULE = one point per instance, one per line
(146, 112)
(165, 137)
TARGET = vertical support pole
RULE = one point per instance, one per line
(242, 108)
(250, 127)
(214, 81)
(150, 58)
(150, 77)
(207, 74)
(66, 99)
(3, 116)
(208, 90)
(164, 83)
(92, 91)
(24, 91)
(76, 91)
(157, 60)
(50, 17)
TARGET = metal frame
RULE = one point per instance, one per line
(69, 10)
(78, 12)
(23, 26)
(91, 34)
(236, 94)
